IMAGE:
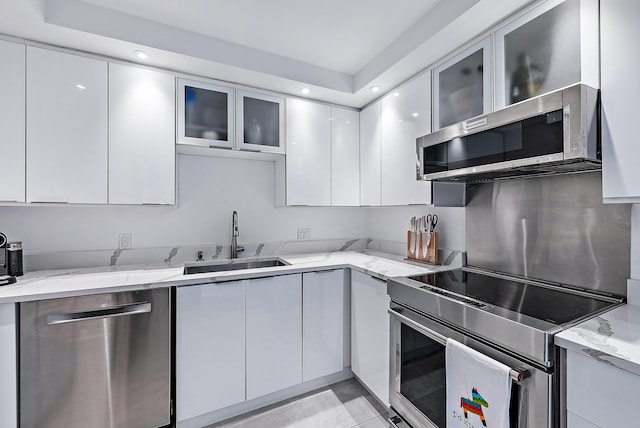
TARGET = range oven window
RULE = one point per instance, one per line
(422, 374)
(423, 378)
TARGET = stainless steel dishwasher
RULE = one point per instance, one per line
(96, 361)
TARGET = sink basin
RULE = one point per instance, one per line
(201, 267)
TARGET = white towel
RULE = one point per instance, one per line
(478, 389)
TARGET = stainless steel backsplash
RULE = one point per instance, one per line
(552, 228)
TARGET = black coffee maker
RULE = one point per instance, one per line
(5, 278)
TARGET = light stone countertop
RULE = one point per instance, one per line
(50, 284)
(612, 338)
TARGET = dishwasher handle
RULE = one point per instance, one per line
(113, 311)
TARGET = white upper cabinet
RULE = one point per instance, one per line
(141, 136)
(462, 86)
(66, 128)
(552, 46)
(370, 152)
(345, 157)
(259, 122)
(205, 114)
(308, 163)
(12, 121)
(620, 91)
(405, 116)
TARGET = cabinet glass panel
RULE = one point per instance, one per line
(540, 52)
(462, 86)
(205, 114)
(260, 122)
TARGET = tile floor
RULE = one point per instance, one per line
(342, 405)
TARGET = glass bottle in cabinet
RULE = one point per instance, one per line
(462, 86)
(548, 48)
(205, 114)
(260, 122)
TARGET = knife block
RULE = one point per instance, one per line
(431, 256)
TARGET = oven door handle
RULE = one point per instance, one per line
(429, 333)
(517, 375)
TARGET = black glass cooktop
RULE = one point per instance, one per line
(548, 304)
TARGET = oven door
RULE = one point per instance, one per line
(417, 387)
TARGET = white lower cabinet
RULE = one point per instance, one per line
(273, 334)
(8, 373)
(322, 323)
(599, 395)
(370, 333)
(210, 363)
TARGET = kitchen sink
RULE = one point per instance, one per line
(201, 267)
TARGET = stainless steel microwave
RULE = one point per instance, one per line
(549, 134)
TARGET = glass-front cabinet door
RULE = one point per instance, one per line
(205, 114)
(552, 46)
(260, 122)
(462, 86)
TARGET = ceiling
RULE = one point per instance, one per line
(336, 34)
(337, 48)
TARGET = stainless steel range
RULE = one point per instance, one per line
(555, 228)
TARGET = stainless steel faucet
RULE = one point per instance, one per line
(235, 249)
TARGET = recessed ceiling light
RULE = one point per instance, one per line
(396, 94)
(81, 86)
(141, 54)
(415, 115)
(305, 91)
(374, 88)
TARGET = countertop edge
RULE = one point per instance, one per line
(176, 279)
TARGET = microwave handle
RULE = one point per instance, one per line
(517, 375)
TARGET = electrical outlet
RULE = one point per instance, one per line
(304, 234)
(124, 241)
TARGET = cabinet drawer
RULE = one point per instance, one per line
(601, 393)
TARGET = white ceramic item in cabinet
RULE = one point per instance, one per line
(601, 394)
(620, 33)
(405, 116)
(345, 157)
(259, 122)
(8, 369)
(322, 323)
(210, 348)
(308, 162)
(370, 333)
(274, 334)
(462, 85)
(66, 128)
(551, 46)
(141, 136)
(205, 114)
(12, 121)
(370, 152)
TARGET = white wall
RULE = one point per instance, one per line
(209, 189)
(392, 223)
